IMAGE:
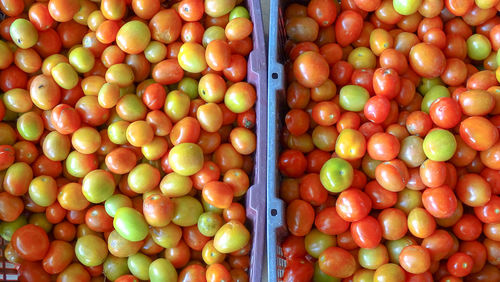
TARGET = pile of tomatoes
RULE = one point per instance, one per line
(391, 158)
(126, 139)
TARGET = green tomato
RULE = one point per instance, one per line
(91, 250)
(189, 86)
(130, 224)
(167, 236)
(364, 275)
(320, 276)
(408, 200)
(231, 237)
(498, 57)
(162, 270)
(316, 242)
(353, 98)
(478, 47)
(64, 75)
(239, 12)
(116, 132)
(98, 185)
(439, 145)
(8, 56)
(74, 164)
(23, 33)
(373, 258)
(127, 90)
(427, 83)
(187, 211)
(406, 7)
(210, 208)
(177, 105)
(40, 220)
(213, 33)
(113, 203)
(81, 59)
(133, 106)
(138, 265)
(155, 52)
(30, 126)
(395, 247)
(176, 185)
(432, 95)
(336, 175)
(8, 228)
(362, 58)
(209, 223)
(114, 267)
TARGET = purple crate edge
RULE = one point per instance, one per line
(255, 202)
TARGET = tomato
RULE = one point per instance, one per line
(459, 264)
(419, 56)
(143, 178)
(479, 137)
(311, 69)
(415, 259)
(336, 175)
(373, 258)
(337, 262)
(377, 109)
(389, 271)
(65, 119)
(421, 223)
(366, 232)
(439, 145)
(187, 211)
(30, 242)
(59, 256)
(383, 146)
(298, 269)
(473, 190)
(392, 175)
(348, 27)
(126, 217)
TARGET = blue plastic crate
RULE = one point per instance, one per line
(276, 228)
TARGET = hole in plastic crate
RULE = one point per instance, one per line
(274, 75)
(274, 212)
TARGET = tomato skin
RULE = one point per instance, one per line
(58, 257)
(292, 163)
(366, 232)
(392, 175)
(316, 8)
(329, 222)
(300, 217)
(311, 69)
(459, 264)
(481, 136)
(377, 109)
(386, 83)
(380, 197)
(348, 27)
(439, 201)
(419, 60)
(30, 242)
(383, 146)
(337, 262)
(353, 205)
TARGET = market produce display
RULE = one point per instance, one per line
(390, 150)
(126, 139)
